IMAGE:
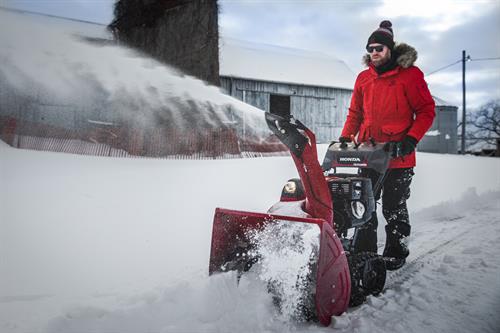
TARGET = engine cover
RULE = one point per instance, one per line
(366, 155)
(348, 190)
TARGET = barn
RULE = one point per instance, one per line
(442, 136)
(313, 87)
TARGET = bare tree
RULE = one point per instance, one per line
(484, 124)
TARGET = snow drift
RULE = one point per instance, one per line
(99, 244)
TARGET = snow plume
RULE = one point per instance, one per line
(288, 254)
(43, 63)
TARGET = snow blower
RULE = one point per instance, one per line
(336, 204)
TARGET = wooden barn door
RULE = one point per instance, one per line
(280, 105)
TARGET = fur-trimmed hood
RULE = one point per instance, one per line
(407, 55)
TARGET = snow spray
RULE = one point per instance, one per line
(287, 255)
(48, 61)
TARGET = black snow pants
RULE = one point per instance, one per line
(395, 191)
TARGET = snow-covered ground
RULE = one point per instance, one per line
(93, 244)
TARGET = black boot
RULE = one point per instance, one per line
(396, 250)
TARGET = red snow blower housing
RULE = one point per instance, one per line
(335, 203)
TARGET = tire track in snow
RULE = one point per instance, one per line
(402, 275)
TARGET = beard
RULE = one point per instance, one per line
(382, 60)
(379, 61)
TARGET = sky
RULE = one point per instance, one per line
(438, 29)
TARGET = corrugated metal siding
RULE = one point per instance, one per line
(446, 125)
(324, 110)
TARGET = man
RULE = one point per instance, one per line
(390, 103)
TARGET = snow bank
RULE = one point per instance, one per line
(441, 177)
(106, 243)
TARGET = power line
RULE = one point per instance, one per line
(456, 62)
(440, 69)
(482, 59)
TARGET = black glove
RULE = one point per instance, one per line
(404, 147)
(343, 141)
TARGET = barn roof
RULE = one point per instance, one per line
(264, 62)
(442, 102)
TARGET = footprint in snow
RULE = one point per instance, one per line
(483, 263)
(447, 259)
(476, 264)
(472, 250)
(443, 269)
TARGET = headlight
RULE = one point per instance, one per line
(358, 209)
(290, 187)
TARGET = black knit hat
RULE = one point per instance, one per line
(383, 35)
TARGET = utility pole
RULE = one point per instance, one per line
(464, 59)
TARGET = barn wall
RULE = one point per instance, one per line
(442, 137)
(322, 109)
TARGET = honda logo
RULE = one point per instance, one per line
(349, 159)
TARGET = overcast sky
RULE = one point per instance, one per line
(438, 29)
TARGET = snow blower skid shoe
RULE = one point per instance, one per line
(234, 232)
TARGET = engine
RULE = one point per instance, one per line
(353, 201)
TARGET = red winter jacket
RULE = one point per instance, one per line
(389, 106)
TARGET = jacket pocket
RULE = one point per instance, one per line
(395, 132)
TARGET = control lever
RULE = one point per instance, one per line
(356, 144)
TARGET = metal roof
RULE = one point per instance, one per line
(264, 62)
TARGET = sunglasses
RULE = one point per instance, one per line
(378, 48)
